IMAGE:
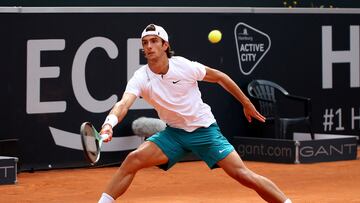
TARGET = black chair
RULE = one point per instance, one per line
(268, 94)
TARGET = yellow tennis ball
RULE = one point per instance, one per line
(214, 36)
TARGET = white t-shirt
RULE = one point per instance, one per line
(175, 96)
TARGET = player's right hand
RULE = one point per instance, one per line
(107, 129)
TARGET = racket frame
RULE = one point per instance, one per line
(97, 139)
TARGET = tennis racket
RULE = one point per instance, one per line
(91, 141)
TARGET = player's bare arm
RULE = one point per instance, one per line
(216, 76)
(120, 109)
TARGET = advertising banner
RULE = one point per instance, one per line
(63, 67)
(262, 149)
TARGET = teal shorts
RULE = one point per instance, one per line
(206, 143)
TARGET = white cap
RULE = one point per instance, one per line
(159, 31)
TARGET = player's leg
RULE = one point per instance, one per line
(234, 166)
(148, 154)
(212, 147)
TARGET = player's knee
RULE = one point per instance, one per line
(245, 177)
(135, 161)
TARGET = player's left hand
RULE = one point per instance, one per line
(251, 112)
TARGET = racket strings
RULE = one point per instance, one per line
(90, 144)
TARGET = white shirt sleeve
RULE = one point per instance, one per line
(134, 84)
(199, 70)
(132, 87)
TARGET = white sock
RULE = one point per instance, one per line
(288, 201)
(105, 198)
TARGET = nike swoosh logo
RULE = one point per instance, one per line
(174, 82)
(221, 151)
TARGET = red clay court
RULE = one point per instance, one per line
(190, 182)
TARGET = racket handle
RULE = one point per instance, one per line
(104, 136)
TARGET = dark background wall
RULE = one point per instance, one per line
(190, 3)
(294, 60)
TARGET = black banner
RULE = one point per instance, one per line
(62, 68)
(327, 150)
(270, 150)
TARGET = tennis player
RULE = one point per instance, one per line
(170, 84)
